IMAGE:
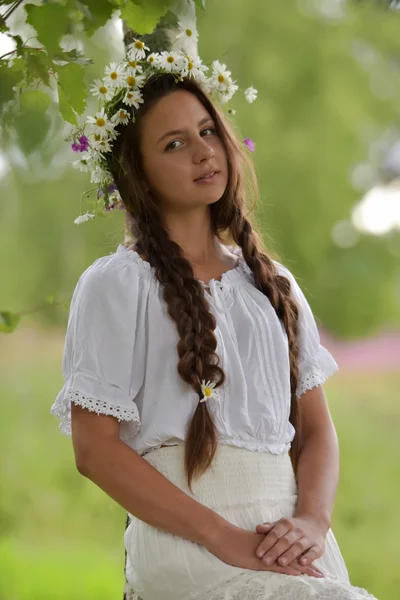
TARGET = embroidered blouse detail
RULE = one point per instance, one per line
(120, 351)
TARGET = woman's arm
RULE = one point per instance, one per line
(318, 467)
(135, 484)
(317, 478)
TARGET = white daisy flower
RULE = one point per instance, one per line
(221, 75)
(193, 67)
(121, 116)
(99, 175)
(133, 66)
(84, 218)
(84, 164)
(101, 90)
(153, 58)
(207, 389)
(187, 29)
(225, 95)
(251, 94)
(113, 75)
(133, 98)
(100, 123)
(101, 144)
(136, 50)
(232, 111)
(170, 61)
(133, 81)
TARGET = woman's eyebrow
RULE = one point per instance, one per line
(176, 131)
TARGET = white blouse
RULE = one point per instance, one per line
(120, 357)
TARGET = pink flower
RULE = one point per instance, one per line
(250, 144)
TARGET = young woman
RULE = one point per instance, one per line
(194, 374)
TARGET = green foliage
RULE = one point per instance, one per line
(143, 17)
(70, 84)
(51, 22)
(61, 537)
(8, 321)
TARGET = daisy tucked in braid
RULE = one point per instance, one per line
(182, 292)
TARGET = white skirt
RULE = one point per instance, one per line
(246, 488)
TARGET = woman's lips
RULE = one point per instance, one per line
(208, 179)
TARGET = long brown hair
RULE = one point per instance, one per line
(183, 293)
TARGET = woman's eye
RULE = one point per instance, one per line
(169, 146)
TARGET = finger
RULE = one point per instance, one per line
(263, 526)
(297, 548)
(313, 573)
(311, 554)
(289, 570)
(272, 537)
(281, 547)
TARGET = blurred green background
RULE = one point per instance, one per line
(326, 128)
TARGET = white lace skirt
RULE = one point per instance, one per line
(246, 488)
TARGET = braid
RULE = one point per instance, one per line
(278, 290)
(187, 306)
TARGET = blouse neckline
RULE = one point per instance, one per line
(231, 275)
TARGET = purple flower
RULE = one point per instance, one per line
(82, 146)
(250, 144)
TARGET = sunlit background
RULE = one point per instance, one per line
(326, 126)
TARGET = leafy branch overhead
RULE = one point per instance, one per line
(35, 69)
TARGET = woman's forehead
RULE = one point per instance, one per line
(178, 110)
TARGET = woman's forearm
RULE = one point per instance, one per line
(145, 493)
(318, 475)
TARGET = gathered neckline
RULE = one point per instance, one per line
(230, 275)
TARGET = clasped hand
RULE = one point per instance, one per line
(291, 539)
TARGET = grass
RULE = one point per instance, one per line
(61, 537)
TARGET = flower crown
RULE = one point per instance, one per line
(119, 93)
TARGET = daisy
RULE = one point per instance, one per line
(193, 67)
(133, 66)
(221, 76)
(84, 164)
(207, 389)
(227, 94)
(131, 80)
(121, 116)
(153, 58)
(101, 90)
(136, 50)
(170, 61)
(133, 98)
(100, 123)
(251, 94)
(84, 218)
(114, 74)
(101, 144)
(99, 174)
(188, 29)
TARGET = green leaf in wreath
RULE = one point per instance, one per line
(8, 321)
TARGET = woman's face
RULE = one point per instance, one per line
(179, 143)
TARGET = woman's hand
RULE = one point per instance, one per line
(293, 538)
(237, 547)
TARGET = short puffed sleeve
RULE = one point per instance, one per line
(316, 363)
(100, 346)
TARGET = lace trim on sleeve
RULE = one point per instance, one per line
(62, 410)
(316, 370)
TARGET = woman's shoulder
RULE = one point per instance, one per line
(113, 270)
